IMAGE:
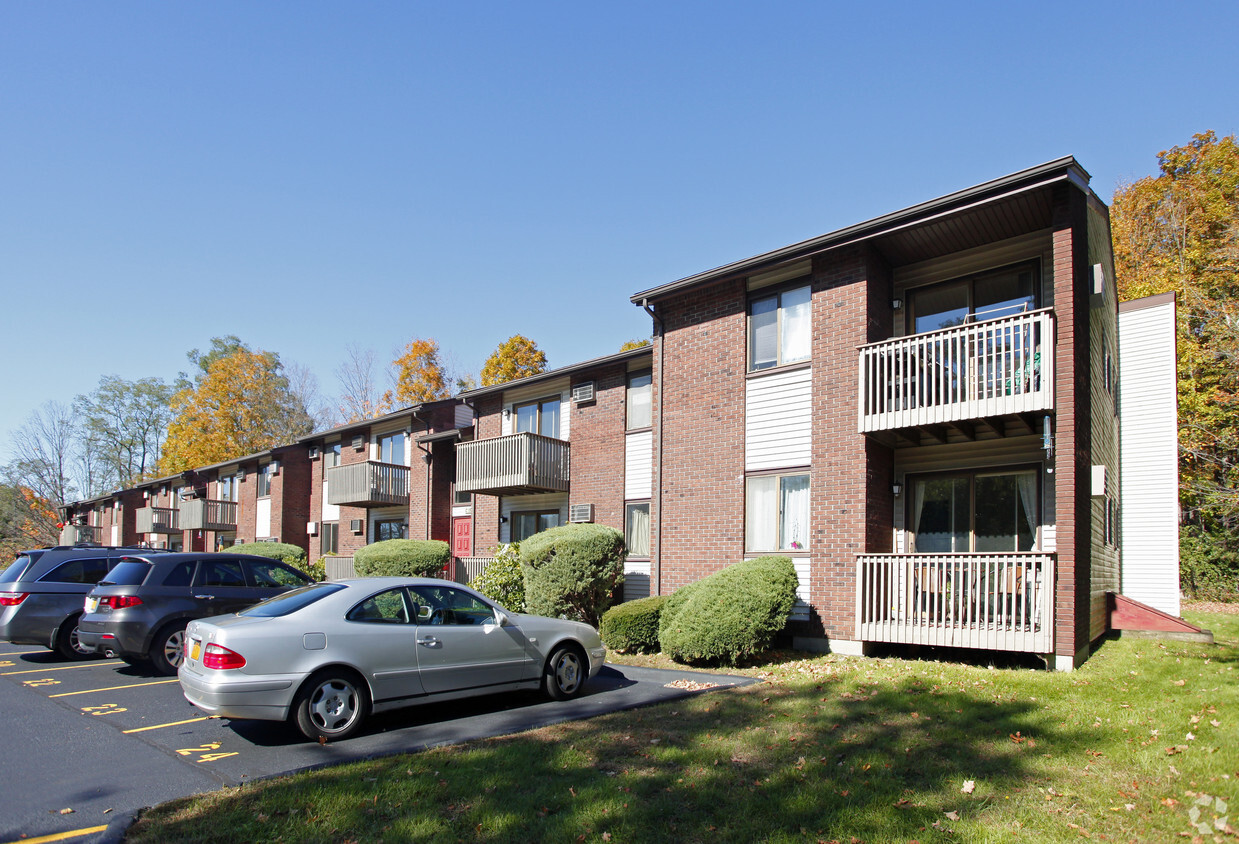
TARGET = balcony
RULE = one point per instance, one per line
(979, 370)
(207, 514)
(81, 535)
(159, 520)
(369, 484)
(1002, 602)
(512, 465)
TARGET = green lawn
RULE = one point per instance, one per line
(1133, 746)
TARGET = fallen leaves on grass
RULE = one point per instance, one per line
(690, 685)
(969, 786)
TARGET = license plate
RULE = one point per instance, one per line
(92, 604)
(194, 649)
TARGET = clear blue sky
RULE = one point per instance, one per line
(309, 175)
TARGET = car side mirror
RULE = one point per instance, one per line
(501, 619)
(423, 614)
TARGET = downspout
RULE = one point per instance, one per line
(658, 541)
(429, 458)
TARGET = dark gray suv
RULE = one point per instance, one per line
(139, 610)
(42, 590)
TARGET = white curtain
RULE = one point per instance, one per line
(795, 505)
(639, 531)
(918, 503)
(796, 325)
(1027, 482)
(761, 514)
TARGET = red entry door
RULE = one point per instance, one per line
(462, 536)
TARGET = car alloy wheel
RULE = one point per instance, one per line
(330, 706)
(565, 673)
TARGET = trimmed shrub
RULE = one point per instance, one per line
(572, 571)
(632, 627)
(401, 558)
(731, 615)
(502, 580)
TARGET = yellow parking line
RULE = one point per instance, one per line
(19, 653)
(61, 836)
(109, 663)
(173, 724)
(114, 688)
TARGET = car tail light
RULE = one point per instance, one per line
(217, 656)
(12, 599)
(120, 602)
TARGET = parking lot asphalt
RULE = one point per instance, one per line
(92, 743)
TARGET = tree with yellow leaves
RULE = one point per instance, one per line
(240, 404)
(516, 357)
(419, 375)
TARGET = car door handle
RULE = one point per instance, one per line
(429, 641)
(204, 597)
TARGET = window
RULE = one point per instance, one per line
(274, 575)
(989, 295)
(639, 391)
(220, 573)
(445, 605)
(388, 529)
(391, 448)
(329, 538)
(226, 489)
(390, 607)
(89, 570)
(539, 417)
(461, 497)
(779, 329)
(525, 525)
(637, 529)
(974, 511)
(777, 513)
(331, 455)
(264, 480)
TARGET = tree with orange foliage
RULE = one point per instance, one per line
(419, 375)
(516, 357)
(240, 404)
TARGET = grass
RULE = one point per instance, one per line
(1140, 744)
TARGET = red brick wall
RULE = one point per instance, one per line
(597, 433)
(290, 497)
(489, 413)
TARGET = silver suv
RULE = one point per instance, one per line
(42, 591)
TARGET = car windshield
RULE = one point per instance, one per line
(290, 602)
(127, 573)
(16, 569)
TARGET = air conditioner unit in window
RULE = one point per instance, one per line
(311, 528)
(581, 513)
(583, 392)
(313, 452)
(356, 526)
(275, 467)
(270, 539)
(359, 442)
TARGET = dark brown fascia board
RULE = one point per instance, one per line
(412, 409)
(453, 434)
(1060, 169)
(1147, 302)
(628, 354)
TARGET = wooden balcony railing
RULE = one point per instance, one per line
(514, 464)
(369, 484)
(999, 602)
(80, 535)
(208, 514)
(973, 371)
(158, 520)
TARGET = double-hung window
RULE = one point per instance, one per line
(639, 390)
(264, 480)
(226, 488)
(391, 448)
(780, 329)
(331, 455)
(776, 516)
(330, 537)
(992, 511)
(539, 417)
(637, 528)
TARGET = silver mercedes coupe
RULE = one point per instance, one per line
(330, 654)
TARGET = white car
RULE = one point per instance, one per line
(330, 654)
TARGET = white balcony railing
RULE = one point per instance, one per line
(369, 484)
(973, 371)
(513, 464)
(208, 514)
(999, 602)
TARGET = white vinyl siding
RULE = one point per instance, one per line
(636, 579)
(262, 520)
(1149, 514)
(638, 465)
(778, 420)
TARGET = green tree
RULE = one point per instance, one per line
(124, 423)
(516, 357)
(1179, 231)
(239, 405)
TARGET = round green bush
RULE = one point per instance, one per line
(401, 558)
(731, 615)
(572, 571)
(632, 627)
(502, 580)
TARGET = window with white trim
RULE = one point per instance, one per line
(780, 328)
(995, 511)
(637, 528)
(538, 417)
(639, 392)
(776, 512)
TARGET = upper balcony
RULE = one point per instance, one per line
(208, 514)
(159, 520)
(80, 535)
(369, 484)
(512, 465)
(978, 370)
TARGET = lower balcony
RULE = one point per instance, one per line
(513, 465)
(206, 514)
(979, 370)
(80, 535)
(369, 484)
(1000, 601)
(159, 520)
